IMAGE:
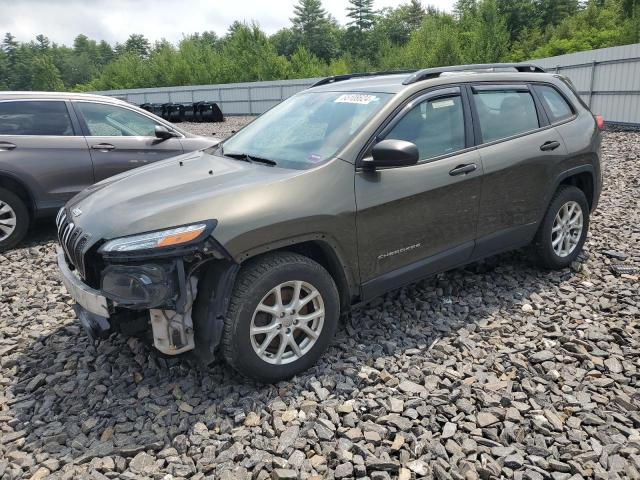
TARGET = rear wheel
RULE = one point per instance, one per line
(281, 318)
(14, 219)
(563, 230)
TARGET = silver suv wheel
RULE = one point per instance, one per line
(7, 220)
(567, 229)
(287, 322)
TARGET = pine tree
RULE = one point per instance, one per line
(315, 28)
(309, 17)
(42, 43)
(45, 75)
(9, 45)
(361, 14)
(413, 13)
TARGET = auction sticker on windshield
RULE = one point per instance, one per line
(356, 98)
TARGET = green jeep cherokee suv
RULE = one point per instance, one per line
(361, 184)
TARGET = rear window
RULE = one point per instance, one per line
(504, 113)
(35, 118)
(555, 105)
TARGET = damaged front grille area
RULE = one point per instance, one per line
(72, 240)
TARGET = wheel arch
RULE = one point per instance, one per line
(219, 275)
(582, 177)
(10, 182)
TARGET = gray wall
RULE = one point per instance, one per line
(608, 79)
(233, 98)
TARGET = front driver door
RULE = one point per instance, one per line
(120, 138)
(415, 220)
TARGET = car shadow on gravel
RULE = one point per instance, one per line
(77, 401)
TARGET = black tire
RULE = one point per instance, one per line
(543, 251)
(255, 280)
(21, 218)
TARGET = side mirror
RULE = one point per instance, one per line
(393, 153)
(164, 133)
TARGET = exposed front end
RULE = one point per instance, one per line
(144, 282)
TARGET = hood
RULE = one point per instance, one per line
(176, 191)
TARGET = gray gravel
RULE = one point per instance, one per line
(496, 370)
(220, 130)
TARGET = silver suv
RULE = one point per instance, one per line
(53, 145)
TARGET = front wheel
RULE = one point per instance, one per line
(282, 316)
(563, 230)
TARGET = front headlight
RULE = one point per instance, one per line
(159, 239)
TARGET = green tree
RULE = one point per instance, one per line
(313, 24)
(46, 76)
(361, 14)
(486, 39)
(137, 45)
(286, 41)
(553, 12)
(305, 64)
(518, 15)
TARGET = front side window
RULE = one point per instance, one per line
(555, 105)
(504, 113)
(435, 126)
(35, 118)
(306, 129)
(110, 121)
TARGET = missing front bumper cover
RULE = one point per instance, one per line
(173, 331)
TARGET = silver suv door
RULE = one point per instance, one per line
(415, 219)
(121, 138)
(42, 147)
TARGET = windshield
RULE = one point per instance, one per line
(305, 129)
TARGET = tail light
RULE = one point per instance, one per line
(600, 122)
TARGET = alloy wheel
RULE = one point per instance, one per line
(567, 229)
(287, 322)
(7, 220)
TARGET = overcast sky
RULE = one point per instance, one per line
(115, 20)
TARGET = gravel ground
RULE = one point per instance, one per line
(221, 130)
(496, 370)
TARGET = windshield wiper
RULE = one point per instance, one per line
(250, 158)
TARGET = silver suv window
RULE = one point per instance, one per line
(110, 121)
(49, 118)
(504, 113)
(435, 126)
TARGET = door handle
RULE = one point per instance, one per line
(550, 145)
(463, 169)
(5, 146)
(103, 147)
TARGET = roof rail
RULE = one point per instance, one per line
(349, 76)
(429, 73)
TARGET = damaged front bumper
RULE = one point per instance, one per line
(159, 293)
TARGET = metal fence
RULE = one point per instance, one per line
(608, 79)
(251, 98)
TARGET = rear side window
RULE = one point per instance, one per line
(35, 118)
(110, 121)
(504, 113)
(435, 126)
(555, 105)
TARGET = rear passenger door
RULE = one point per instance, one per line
(42, 146)
(120, 138)
(518, 149)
